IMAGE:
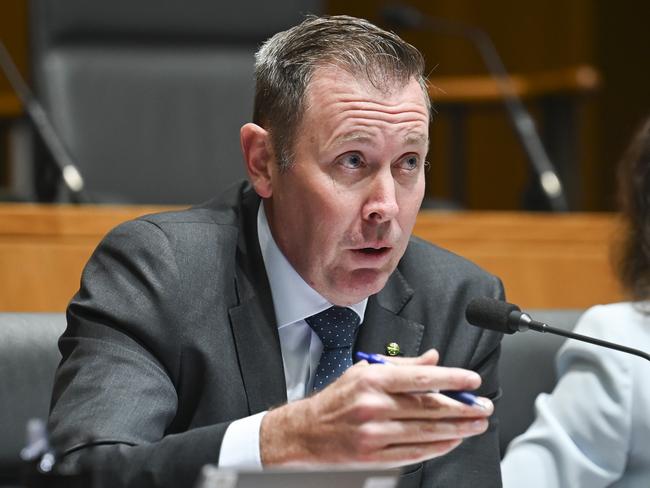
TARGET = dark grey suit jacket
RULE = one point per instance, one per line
(172, 336)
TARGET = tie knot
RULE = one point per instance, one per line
(336, 327)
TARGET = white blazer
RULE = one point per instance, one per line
(594, 429)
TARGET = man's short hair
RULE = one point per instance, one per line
(285, 63)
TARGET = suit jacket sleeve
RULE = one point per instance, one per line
(116, 396)
(476, 461)
(444, 284)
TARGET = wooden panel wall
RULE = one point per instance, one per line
(544, 260)
(44, 248)
(13, 33)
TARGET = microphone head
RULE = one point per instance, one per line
(489, 313)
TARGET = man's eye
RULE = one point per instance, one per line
(352, 161)
(410, 162)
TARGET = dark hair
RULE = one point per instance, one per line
(286, 62)
(634, 199)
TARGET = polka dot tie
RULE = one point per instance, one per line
(336, 327)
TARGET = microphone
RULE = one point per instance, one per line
(69, 172)
(401, 16)
(489, 313)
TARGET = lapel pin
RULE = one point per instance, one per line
(392, 349)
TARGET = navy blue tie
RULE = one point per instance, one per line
(336, 327)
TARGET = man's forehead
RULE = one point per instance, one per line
(333, 91)
(331, 78)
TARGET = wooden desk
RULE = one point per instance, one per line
(544, 260)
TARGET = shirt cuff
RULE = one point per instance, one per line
(240, 447)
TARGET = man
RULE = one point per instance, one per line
(201, 336)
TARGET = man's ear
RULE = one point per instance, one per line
(258, 156)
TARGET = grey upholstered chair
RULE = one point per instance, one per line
(149, 95)
(28, 359)
(29, 356)
(527, 368)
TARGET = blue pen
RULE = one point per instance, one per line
(460, 396)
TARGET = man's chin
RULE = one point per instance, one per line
(360, 285)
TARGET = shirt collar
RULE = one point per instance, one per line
(293, 298)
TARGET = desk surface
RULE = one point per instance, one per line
(580, 79)
(544, 260)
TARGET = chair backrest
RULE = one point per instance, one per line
(149, 95)
(527, 368)
(28, 359)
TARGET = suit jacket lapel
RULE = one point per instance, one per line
(253, 320)
(254, 324)
(382, 323)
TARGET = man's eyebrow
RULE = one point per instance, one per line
(362, 136)
(416, 138)
(356, 136)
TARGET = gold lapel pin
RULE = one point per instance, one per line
(392, 349)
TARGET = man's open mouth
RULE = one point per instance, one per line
(373, 250)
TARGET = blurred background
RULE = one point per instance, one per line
(148, 96)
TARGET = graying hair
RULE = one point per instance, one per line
(286, 62)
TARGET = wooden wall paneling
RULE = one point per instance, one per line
(558, 261)
(43, 250)
(544, 260)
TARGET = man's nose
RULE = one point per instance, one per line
(381, 204)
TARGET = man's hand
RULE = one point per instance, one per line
(376, 414)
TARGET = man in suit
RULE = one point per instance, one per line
(208, 335)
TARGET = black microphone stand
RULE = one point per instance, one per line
(507, 318)
(526, 322)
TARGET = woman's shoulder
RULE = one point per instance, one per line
(623, 323)
(627, 322)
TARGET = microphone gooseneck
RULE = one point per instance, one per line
(401, 16)
(69, 171)
(489, 313)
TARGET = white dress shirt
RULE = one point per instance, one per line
(293, 300)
